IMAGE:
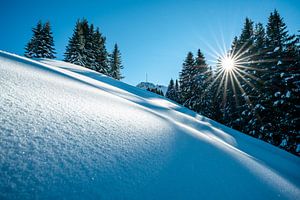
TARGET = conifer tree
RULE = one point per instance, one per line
(156, 91)
(177, 92)
(185, 77)
(33, 47)
(90, 47)
(207, 106)
(74, 50)
(279, 86)
(86, 47)
(41, 44)
(49, 50)
(115, 63)
(242, 88)
(251, 114)
(198, 84)
(102, 61)
(171, 91)
(216, 98)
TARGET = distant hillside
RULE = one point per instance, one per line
(148, 85)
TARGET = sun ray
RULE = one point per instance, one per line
(235, 71)
(234, 90)
(240, 75)
(243, 92)
(247, 74)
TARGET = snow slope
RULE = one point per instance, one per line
(67, 132)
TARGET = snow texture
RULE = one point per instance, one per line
(68, 132)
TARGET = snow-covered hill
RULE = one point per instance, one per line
(148, 85)
(71, 133)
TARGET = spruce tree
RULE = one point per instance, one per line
(198, 84)
(90, 47)
(74, 53)
(216, 98)
(252, 114)
(49, 50)
(185, 77)
(177, 92)
(280, 85)
(241, 79)
(207, 108)
(41, 44)
(86, 47)
(101, 54)
(115, 63)
(170, 94)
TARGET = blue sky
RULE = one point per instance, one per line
(154, 36)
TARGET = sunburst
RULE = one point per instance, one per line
(232, 68)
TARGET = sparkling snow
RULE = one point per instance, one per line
(71, 133)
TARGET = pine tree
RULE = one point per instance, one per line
(41, 44)
(207, 108)
(32, 49)
(281, 88)
(74, 50)
(185, 77)
(156, 91)
(86, 47)
(242, 86)
(90, 48)
(177, 92)
(49, 50)
(251, 115)
(102, 62)
(171, 93)
(198, 84)
(115, 63)
(225, 96)
(216, 99)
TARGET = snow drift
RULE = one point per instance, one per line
(68, 132)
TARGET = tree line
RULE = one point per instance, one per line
(86, 47)
(261, 96)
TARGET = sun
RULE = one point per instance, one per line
(228, 63)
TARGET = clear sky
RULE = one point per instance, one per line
(154, 36)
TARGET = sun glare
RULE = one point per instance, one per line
(232, 71)
(228, 63)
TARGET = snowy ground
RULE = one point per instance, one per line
(70, 133)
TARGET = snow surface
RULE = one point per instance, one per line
(68, 132)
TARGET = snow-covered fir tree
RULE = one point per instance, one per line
(90, 47)
(206, 106)
(74, 50)
(156, 91)
(177, 91)
(251, 114)
(102, 61)
(86, 47)
(41, 45)
(49, 50)
(242, 88)
(278, 84)
(198, 83)
(185, 76)
(115, 63)
(171, 93)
